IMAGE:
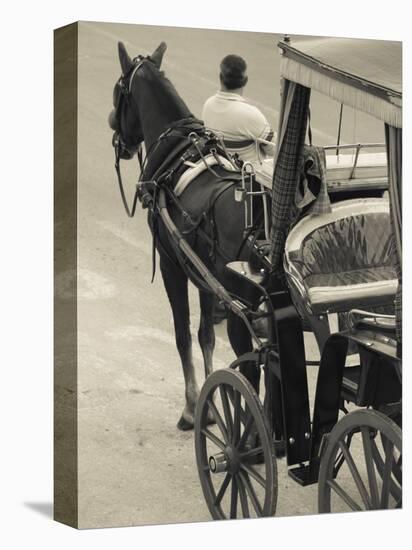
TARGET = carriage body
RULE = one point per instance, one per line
(343, 259)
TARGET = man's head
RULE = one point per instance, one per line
(233, 72)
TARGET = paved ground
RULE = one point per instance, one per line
(135, 467)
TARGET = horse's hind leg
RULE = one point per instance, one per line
(175, 281)
(206, 333)
(241, 343)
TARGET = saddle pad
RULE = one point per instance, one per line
(199, 167)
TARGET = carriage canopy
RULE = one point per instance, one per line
(363, 74)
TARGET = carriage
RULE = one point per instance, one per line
(339, 258)
(325, 261)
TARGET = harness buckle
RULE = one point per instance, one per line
(145, 191)
(194, 138)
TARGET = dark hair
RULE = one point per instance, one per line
(233, 72)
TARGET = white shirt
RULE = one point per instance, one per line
(240, 123)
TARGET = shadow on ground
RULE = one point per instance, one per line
(42, 508)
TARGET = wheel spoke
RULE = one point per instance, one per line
(243, 497)
(219, 420)
(236, 422)
(387, 473)
(340, 459)
(355, 474)
(210, 435)
(252, 494)
(397, 470)
(246, 432)
(227, 411)
(253, 473)
(343, 495)
(243, 415)
(233, 499)
(395, 481)
(367, 451)
(251, 452)
(222, 489)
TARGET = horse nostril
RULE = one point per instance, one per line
(113, 120)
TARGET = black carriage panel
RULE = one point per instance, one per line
(379, 383)
(290, 366)
(378, 379)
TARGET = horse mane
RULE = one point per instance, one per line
(163, 106)
(165, 89)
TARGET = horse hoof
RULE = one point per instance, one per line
(280, 448)
(185, 425)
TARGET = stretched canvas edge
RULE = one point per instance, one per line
(65, 275)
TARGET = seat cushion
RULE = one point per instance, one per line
(343, 291)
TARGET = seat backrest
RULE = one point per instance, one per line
(355, 235)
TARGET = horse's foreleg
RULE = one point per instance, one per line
(206, 333)
(176, 283)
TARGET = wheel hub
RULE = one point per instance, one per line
(218, 463)
(227, 461)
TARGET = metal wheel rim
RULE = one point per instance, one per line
(217, 382)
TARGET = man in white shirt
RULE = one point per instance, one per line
(229, 114)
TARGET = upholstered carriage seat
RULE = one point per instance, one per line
(344, 259)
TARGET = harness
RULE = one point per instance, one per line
(192, 148)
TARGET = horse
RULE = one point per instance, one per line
(148, 109)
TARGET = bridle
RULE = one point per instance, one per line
(123, 88)
(122, 92)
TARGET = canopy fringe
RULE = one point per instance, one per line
(348, 95)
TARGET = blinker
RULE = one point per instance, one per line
(113, 120)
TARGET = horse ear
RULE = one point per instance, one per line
(125, 61)
(157, 55)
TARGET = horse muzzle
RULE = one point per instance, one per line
(120, 147)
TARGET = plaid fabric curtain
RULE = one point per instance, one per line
(394, 151)
(292, 130)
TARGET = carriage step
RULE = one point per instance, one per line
(305, 474)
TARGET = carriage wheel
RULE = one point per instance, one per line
(235, 456)
(361, 467)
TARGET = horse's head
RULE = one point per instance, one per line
(124, 119)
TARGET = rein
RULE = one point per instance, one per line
(129, 211)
